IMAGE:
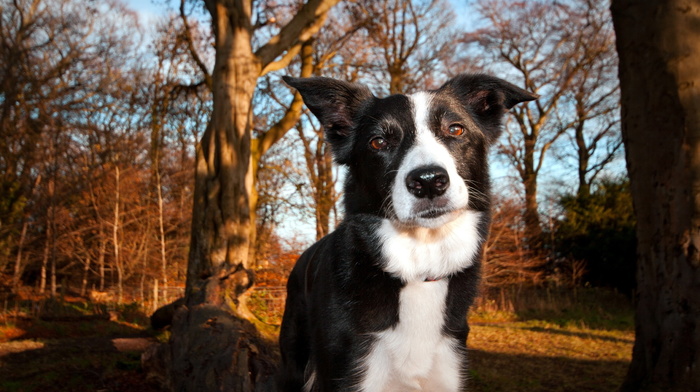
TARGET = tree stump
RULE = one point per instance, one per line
(212, 350)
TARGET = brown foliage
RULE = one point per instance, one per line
(86, 207)
(508, 259)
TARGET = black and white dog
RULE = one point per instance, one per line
(380, 304)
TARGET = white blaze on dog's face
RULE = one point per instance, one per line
(428, 191)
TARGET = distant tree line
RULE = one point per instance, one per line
(98, 128)
(100, 123)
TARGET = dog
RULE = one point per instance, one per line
(380, 304)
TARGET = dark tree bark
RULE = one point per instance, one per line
(659, 55)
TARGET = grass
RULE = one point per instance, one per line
(520, 340)
(551, 341)
(58, 348)
(538, 356)
(71, 365)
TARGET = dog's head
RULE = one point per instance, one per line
(419, 159)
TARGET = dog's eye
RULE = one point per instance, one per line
(455, 130)
(378, 143)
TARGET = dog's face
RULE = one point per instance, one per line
(420, 159)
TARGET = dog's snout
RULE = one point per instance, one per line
(430, 181)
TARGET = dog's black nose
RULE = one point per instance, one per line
(429, 181)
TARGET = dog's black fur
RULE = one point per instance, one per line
(344, 291)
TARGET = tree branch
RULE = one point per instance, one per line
(282, 62)
(305, 24)
(277, 131)
(191, 48)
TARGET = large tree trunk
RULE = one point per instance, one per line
(221, 217)
(209, 349)
(660, 83)
(214, 346)
(528, 176)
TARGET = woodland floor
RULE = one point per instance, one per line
(580, 348)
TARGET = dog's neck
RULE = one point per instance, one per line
(430, 254)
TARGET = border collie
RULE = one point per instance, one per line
(380, 304)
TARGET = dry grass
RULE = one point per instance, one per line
(549, 340)
(50, 345)
(521, 340)
(530, 356)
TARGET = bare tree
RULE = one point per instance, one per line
(319, 167)
(508, 262)
(60, 62)
(404, 44)
(593, 133)
(218, 270)
(550, 57)
(659, 64)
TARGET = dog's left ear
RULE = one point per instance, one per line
(487, 98)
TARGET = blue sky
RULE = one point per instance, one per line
(145, 7)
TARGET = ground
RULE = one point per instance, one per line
(73, 347)
(523, 356)
(585, 345)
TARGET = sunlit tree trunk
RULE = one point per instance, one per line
(86, 275)
(660, 85)
(218, 271)
(221, 219)
(101, 257)
(528, 175)
(320, 168)
(115, 237)
(44, 261)
(161, 230)
(47, 260)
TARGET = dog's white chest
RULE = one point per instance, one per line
(420, 253)
(414, 355)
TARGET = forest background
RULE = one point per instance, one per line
(102, 108)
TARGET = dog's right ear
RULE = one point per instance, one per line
(336, 104)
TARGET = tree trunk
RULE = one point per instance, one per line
(213, 347)
(660, 85)
(86, 276)
(53, 263)
(326, 196)
(115, 238)
(320, 168)
(48, 245)
(161, 229)
(584, 157)
(19, 267)
(17, 275)
(221, 219)
(45, 260)
(101, 256)
(397, 78)
(531, 215)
